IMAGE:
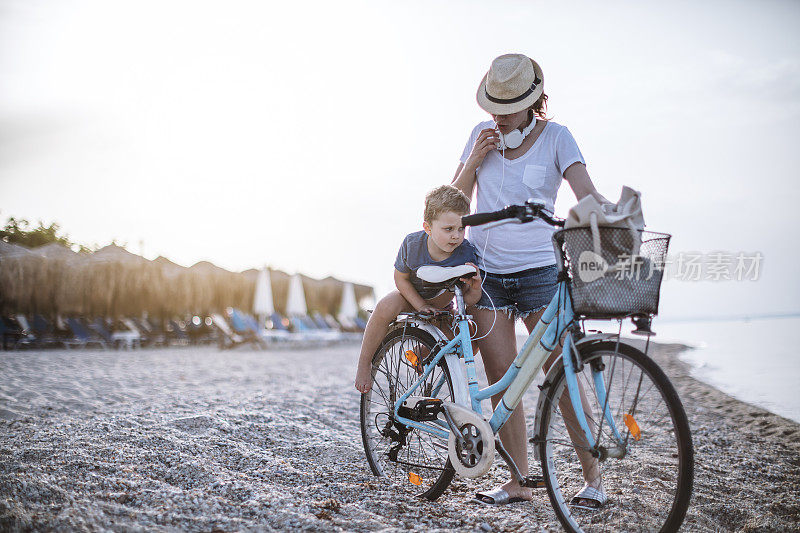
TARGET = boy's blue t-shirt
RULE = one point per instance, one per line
(414, 254)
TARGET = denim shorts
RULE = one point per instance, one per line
(519, 293)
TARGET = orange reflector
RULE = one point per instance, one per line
(633, 427)
(414, 360)
(414, 479)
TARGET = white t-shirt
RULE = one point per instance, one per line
(501, 182)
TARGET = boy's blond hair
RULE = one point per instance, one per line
(443, 199)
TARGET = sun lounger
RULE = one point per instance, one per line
(278, 322)
(231, 338)
(99, 327)
(11, 333)
(82, 336)
(127, 338)
(249, 325)
(175, 333)
(304, 325)
(38, 333)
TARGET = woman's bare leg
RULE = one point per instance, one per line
(498, 351)
(589, 464)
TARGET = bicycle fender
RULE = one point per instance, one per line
(459, 378)
(540, 402)
(435, 332)
(595, 337)
(454, 365)
(549, 378)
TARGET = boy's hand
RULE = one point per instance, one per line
(427, 308)
(472, 287)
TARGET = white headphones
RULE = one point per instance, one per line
(514, 138)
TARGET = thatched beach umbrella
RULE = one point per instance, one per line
(215, 288)
(10, 250)
(365, 296)
(18, 272)
(184, 290)
(119, 283)
(280, 289)
(31, 280)
(54, 250)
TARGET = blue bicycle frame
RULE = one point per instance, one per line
(537, 348)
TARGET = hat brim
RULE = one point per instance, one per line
(494, 108)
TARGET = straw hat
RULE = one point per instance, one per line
(514, 82)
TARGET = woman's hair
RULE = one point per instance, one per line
(443, 199)
(539, 107)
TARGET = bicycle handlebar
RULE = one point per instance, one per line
(484, 218)
(524, 213)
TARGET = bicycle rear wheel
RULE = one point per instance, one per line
(408, 457)
(649, 486)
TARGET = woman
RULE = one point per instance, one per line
(527, 159)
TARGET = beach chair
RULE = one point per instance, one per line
(278, 322)
(98, 325)
(305, 326)
(10, 332)
(82, 336)
(198, 332)
(153, 334)
(44, 332)
(176, 333)
(319, 321)
(332, 323)
(128, 336)
(34, 338)
(361, 324)
(264, 333)
(229, 338)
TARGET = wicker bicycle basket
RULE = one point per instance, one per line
(623, 279)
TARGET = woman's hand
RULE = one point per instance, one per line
(486, 142)
(467, 172)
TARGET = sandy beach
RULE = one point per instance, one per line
(203, 440)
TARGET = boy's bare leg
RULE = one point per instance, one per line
(385, 312)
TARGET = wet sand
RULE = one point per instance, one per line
(202, 440)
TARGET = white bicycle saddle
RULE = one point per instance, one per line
(436, 274)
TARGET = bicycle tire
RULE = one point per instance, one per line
(647, 496)
(421, 460)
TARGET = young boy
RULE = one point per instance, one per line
(441, 243)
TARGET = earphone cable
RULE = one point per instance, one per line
(486, 244)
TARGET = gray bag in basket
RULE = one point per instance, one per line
(609, 276)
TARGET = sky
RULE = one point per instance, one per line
(305, 135)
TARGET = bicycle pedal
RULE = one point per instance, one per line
(421, 409)
(533, 482)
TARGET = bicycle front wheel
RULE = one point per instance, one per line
(647, 477)
(405, 456)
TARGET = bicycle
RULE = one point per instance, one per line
(422, 422)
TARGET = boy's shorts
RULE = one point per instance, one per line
(519, 293)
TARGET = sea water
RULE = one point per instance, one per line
(753, 360)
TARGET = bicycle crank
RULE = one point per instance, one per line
(471, 451)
